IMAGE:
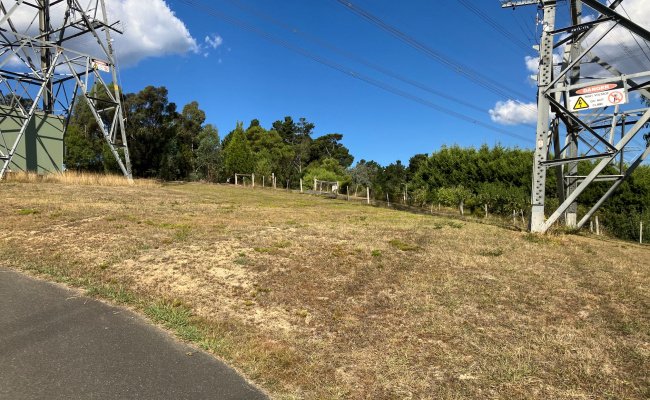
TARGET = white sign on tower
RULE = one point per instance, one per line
(603, 95)
(101, 66)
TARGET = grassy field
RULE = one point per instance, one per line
(315, 298)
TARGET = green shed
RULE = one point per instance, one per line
(41, 148)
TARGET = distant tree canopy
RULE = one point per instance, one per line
(171, 145)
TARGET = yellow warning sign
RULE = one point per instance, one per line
(580, 104)
(94, 66)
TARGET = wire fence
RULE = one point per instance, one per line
(638, 229)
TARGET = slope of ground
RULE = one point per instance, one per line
(320, 298)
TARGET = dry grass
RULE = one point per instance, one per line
(79, 178)
(320, 299)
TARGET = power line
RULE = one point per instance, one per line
(478, 78)
(360, 60)
(256, 31)
(498, 27)
(634, 37)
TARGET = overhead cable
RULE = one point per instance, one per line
(360, 60)
(498, 27)
(449, 62)
(256, 31)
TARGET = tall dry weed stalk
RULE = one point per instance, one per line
(79, 178)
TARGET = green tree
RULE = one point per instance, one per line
(82, 152)
(329, 146)
(150, 127)
(209, 157)
(239, 157)
(189, 125)
(326, 170)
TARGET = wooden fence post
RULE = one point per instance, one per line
(486, 211)
(597, 226)
(235, 179)
(300, 185)
(253, 176)
(387, 199)
(262, 181)
(368, 194)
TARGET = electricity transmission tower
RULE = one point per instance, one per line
(588, 94)
(51, 52)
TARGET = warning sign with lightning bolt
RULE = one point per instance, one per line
(581, 104)
(596, 96)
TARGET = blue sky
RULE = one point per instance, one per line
(236, 75)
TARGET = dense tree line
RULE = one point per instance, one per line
(171, 145)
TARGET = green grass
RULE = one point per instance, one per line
(491, 253)
(27, 211)
(403, 246)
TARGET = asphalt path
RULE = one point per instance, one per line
(57, 344)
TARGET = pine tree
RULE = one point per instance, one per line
(239, 157)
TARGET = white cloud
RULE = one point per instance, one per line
(514, 113)
(152, 30)
(620, 48)
(213, 41)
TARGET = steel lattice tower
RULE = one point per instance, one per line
(51, 53)
(589, 109)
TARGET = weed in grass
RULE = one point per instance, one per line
(402, 246)
(182, 233)
(27, 211)
(282, 245)
(110, 219)
(118, 293)
(376, 253)
(302, 313)
(380, 266)
(261, 250)
(55, 215)
(437, 225)
(169, 316)
(491, 253)
(536, 238)
(57, 256)
(241, 260)
(456, 225)
(358, 250)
